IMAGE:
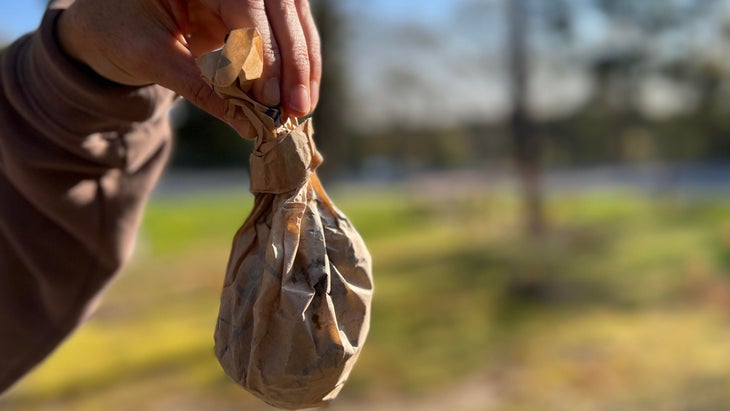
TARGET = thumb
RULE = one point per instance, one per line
(183, 77)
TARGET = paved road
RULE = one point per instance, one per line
(701, 179)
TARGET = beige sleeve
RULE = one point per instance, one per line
(78, 158)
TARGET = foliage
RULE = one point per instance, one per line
(652, 80)
(205, 142)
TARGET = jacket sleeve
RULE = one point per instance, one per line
(78, 158)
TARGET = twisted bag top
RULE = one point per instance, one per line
(295, 305)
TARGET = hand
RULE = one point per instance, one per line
(138, 42)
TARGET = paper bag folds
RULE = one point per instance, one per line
(295, 306)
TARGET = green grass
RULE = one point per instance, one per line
(623, 304)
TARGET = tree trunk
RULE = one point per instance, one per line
(527, 146)
(331, 132)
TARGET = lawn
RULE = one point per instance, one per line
(623, 304)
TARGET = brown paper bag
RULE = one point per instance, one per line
(295, 306)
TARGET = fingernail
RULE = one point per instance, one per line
(272, 93)
(314, 89)
(299, 99)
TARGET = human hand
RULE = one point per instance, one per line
(138, 42)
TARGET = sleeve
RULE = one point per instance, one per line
(78, 158)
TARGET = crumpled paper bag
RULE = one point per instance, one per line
(295, 305)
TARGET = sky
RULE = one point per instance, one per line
(394, 73)
(441, 61)
(19, 17)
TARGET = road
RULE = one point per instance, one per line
(691, 179)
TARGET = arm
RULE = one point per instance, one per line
(80, 151)
(78, 158)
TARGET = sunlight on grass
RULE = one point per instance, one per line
(624, 304)
(604, 360)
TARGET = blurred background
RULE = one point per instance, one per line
(544, 186)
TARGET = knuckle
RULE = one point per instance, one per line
(298, 53)
(315, 44)
(256, 11)
(315, 57)
(256, 7)
(300, 58)
(272, 61)
(303, 6)
(287, 7)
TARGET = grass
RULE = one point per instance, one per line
(624, 304)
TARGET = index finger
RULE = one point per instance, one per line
(237, 14)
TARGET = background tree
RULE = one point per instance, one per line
(331, 131)
(527, 145)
